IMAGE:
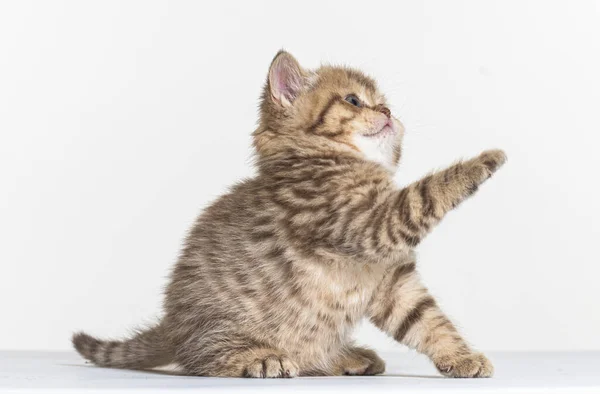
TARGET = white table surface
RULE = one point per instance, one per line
(60, 372)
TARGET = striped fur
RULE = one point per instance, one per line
(274, 276)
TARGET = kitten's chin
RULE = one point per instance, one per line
(381, 147)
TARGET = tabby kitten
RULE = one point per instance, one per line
(274, 276)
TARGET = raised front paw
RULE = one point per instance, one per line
(474, 365)
(480, 168)
(272, 366)
(491, 160)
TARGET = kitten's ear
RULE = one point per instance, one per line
(286, 79)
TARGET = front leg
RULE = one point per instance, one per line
(424, 203)
(371, 219)
(402, 307)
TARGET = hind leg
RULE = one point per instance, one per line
(359, 361)
(236, 357)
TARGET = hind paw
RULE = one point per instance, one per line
(272, 366)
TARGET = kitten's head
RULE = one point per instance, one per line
(330, 110)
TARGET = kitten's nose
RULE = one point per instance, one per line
(384, 110)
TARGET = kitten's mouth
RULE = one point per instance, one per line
(387, 129)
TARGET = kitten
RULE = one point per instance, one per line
(274, 276)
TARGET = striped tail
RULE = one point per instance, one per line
(147, 349)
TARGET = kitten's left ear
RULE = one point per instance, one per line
(286, 79)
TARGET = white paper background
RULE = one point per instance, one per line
(120, 120)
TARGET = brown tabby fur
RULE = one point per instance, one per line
(275, 275)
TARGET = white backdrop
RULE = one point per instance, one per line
(120, 120)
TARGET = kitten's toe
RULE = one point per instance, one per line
(255, 370)
(272, 366)
(474, 365)
(289, 368)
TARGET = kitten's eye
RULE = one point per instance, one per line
(352, 99)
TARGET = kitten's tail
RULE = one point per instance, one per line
(146, 349)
